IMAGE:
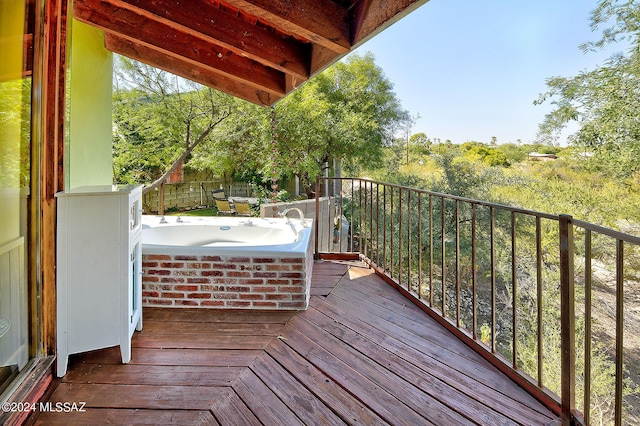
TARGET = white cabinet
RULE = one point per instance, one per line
(99, 267)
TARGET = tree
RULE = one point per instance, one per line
(605, 102)
(159, 121)
(348, 112)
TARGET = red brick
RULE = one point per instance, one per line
(289, 289)
(238, 274)
(149, 264)
(223, 266)
(198, 280)
(238, 304)
(185, 288)
(158, 302)
(185, 257)
(297, 305)
(263, 260)
(291, 275)
(225, 280)
(172, 295)
(210, 258)
(199, 295)
(198, 265)
(147, 279)
(238, 289)
(251, 296)
(265, 304)
(211, 273)
(165, 287)
(251, 281)
(157, 257)
(278, 281)
(186, 302)
(239, 259)
(291, 260)
(277, 297)
(212, 303)
(171, 280)
(172, 265)
(244, 267)
(264, 289)
(212, 288)
(225, 296)
(277, 267)
(150, 294)
(158, 272)
(265, 274)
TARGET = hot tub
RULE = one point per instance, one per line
(226, 262)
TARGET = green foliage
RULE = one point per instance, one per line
(159, 120)
(348, 112)
(567, 185)
(476, 151)
(603, 102)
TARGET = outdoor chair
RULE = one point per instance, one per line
(242, 208)
(218, 194)
(224, 208)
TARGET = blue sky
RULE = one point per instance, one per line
(471, 69)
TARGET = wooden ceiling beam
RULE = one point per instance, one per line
(323, 22)
(369, 17)
(187, 69)
(207, 21)
(163, 37)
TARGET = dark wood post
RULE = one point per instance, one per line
(567, 317)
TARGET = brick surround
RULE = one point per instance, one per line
(226, 282)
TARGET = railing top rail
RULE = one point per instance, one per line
(454, 197)
(586, 225)
(608, 232)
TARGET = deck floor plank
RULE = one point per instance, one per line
(156, 375)
(123, 416)
(466, 362)
(98, 395)
(361, 354)
(263, 401)
(213, 329)
(387, 405)
(461, 393)
(294, 394)
(381, 378)
(230, 410)
(332, 393)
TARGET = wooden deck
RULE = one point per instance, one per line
(361, 354)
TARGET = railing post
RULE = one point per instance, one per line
(316, 255)
(567, 317)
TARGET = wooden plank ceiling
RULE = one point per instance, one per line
(258, 50)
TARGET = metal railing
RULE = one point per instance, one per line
(543, 297)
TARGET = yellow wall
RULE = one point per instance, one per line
(11, 108)
(89, 155)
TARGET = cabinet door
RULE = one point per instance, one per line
(135, 213)
(134, 301)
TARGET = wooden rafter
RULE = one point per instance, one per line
(213, 24)
(150, 32)
(323, 22)
(258, 50)
(372, 16)
(188, 70)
